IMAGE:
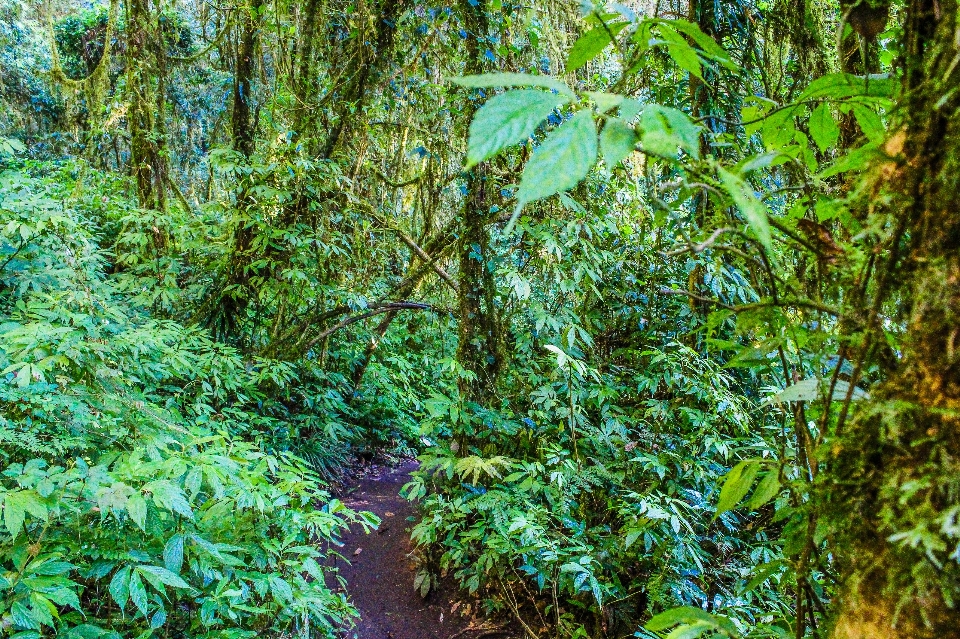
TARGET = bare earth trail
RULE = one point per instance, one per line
(381, 571)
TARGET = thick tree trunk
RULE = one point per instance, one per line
(895, 480)
(235, 295)
(479, 351)
(145, 110)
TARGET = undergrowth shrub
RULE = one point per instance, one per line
(142, 489)
(585, 501)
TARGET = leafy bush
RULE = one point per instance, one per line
(595, 485)
(135, 495)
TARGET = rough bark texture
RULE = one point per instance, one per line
(805, 32)
(234, 295)
(479, 349)
(145, 111)
(895, 486)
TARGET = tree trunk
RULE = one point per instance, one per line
(479, 351)
(147, 159)
(235, 297)
(894, 488)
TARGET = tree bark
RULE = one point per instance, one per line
(479, 350)
(234, 297)
(148, 164)
(894, 485)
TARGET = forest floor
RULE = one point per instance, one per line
(382, 566)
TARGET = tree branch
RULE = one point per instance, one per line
(353, 319)
(415, 248)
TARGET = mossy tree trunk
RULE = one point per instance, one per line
(235, 296)
(894, 485)
(479, 350)
(145, 109)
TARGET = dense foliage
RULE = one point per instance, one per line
(664, 296)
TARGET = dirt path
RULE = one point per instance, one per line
(381, 570)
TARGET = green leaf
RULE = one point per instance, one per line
(159, 618)
(674, 616)
(83, 631)
(630, 109)
(23, 617)
(42, 609)
(823, 128)
(705, 42)
(591, 43)
(856, 160)
(682, 53)
(870, 122)
(169, 496)
(736, 485)
(617, 141)
(767, 489)
(164, 576)
(489, 80)
(761, 574)
(779, 129)
(16, 505)
(749, 205)
(138, 593)
(605, 101)
(120, 586)
(665, 131)
(173, 553)
(632, 537)
(11, 146)
(838, 86)
(137, 509)
(281, 590)
(692, 631)
(562, 160)
(506, 119)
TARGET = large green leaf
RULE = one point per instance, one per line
(682, 53)
(705, 42)
(138, 593)
(591, 43)
(823, 128)
(164, 576)
(870, 122)
(767, 489)
(562, 160)
(844, 85)
(508, 118)
(694, 622)
(173, 553)
(16, 505)
(666, 131)
(752, 208)
(617, 141)
(137, 509)
(736, 485)
(490, 80)
(120, 587)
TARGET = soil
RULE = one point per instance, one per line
(382, 566)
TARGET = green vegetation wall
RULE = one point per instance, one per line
(661, 295)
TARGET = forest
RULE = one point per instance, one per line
(657, 301)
